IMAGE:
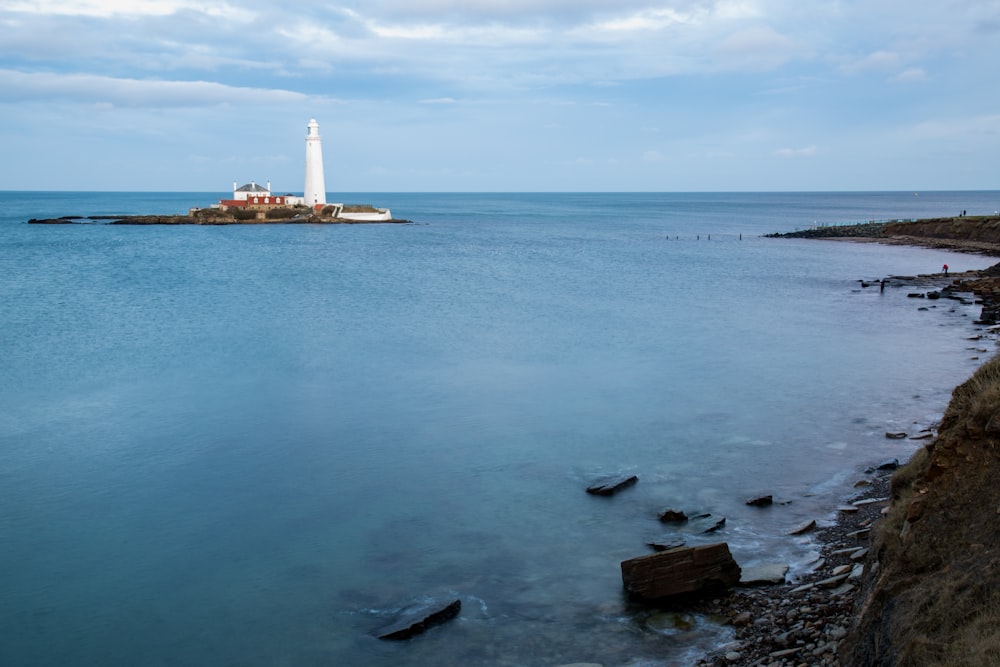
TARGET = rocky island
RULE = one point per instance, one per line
(327, 215)
(254, 203)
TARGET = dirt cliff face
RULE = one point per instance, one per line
(974, 228)
(933, 595)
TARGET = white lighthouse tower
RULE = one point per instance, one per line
(315, 189)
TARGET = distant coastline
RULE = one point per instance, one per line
(977, 234)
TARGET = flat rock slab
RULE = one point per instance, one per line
(803, 528)
(763, 574)
(666, 543)
(709, 524)
(761, 501)
(678, 572)
(832, 582)
(419, 617)
(870, 501)
(612, 485)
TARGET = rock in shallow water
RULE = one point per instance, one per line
(612, 485)
(666, 543)
(672, 516)
(709, 523)
(803, 528)
(684, 571)
(417, 618)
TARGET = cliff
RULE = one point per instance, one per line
(933, 595)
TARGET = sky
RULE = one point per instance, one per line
(501, 95)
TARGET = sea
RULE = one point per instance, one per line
(255, 444)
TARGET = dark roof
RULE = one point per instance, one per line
(251, 187)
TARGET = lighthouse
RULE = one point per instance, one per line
(315, 189)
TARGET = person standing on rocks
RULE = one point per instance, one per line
(945, 269)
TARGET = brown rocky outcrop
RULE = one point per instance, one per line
(686, 571)
(934, 597)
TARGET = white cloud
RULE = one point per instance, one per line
(108, 8)
(759, 47)
(93, 89)
(958, 128)
(647, 19)
(707, 72)
(878, 61)
(733, 10)
(911, 75)
(807, 151)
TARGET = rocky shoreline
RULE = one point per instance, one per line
(814, 620)
(803, 622)
(971, 234)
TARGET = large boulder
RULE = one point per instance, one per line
(687, 571)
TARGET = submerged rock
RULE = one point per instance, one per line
(672, 516)
(710, 524)
(803, 528)
(419, 617)
(666, 543)
(611, 485)
(761, 501)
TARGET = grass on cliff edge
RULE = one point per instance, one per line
(939, 586)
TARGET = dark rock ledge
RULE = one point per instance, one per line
(420, 617)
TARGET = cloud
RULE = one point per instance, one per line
(910, 75)
(109, 8)
(93, 89)
(732, 74)
(759, 47)
(879, 61)
(969, 128)
(647, 19)
(520, 11)
(807, 151)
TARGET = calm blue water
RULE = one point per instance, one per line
(249, 445)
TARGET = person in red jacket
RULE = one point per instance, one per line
(945, 268)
